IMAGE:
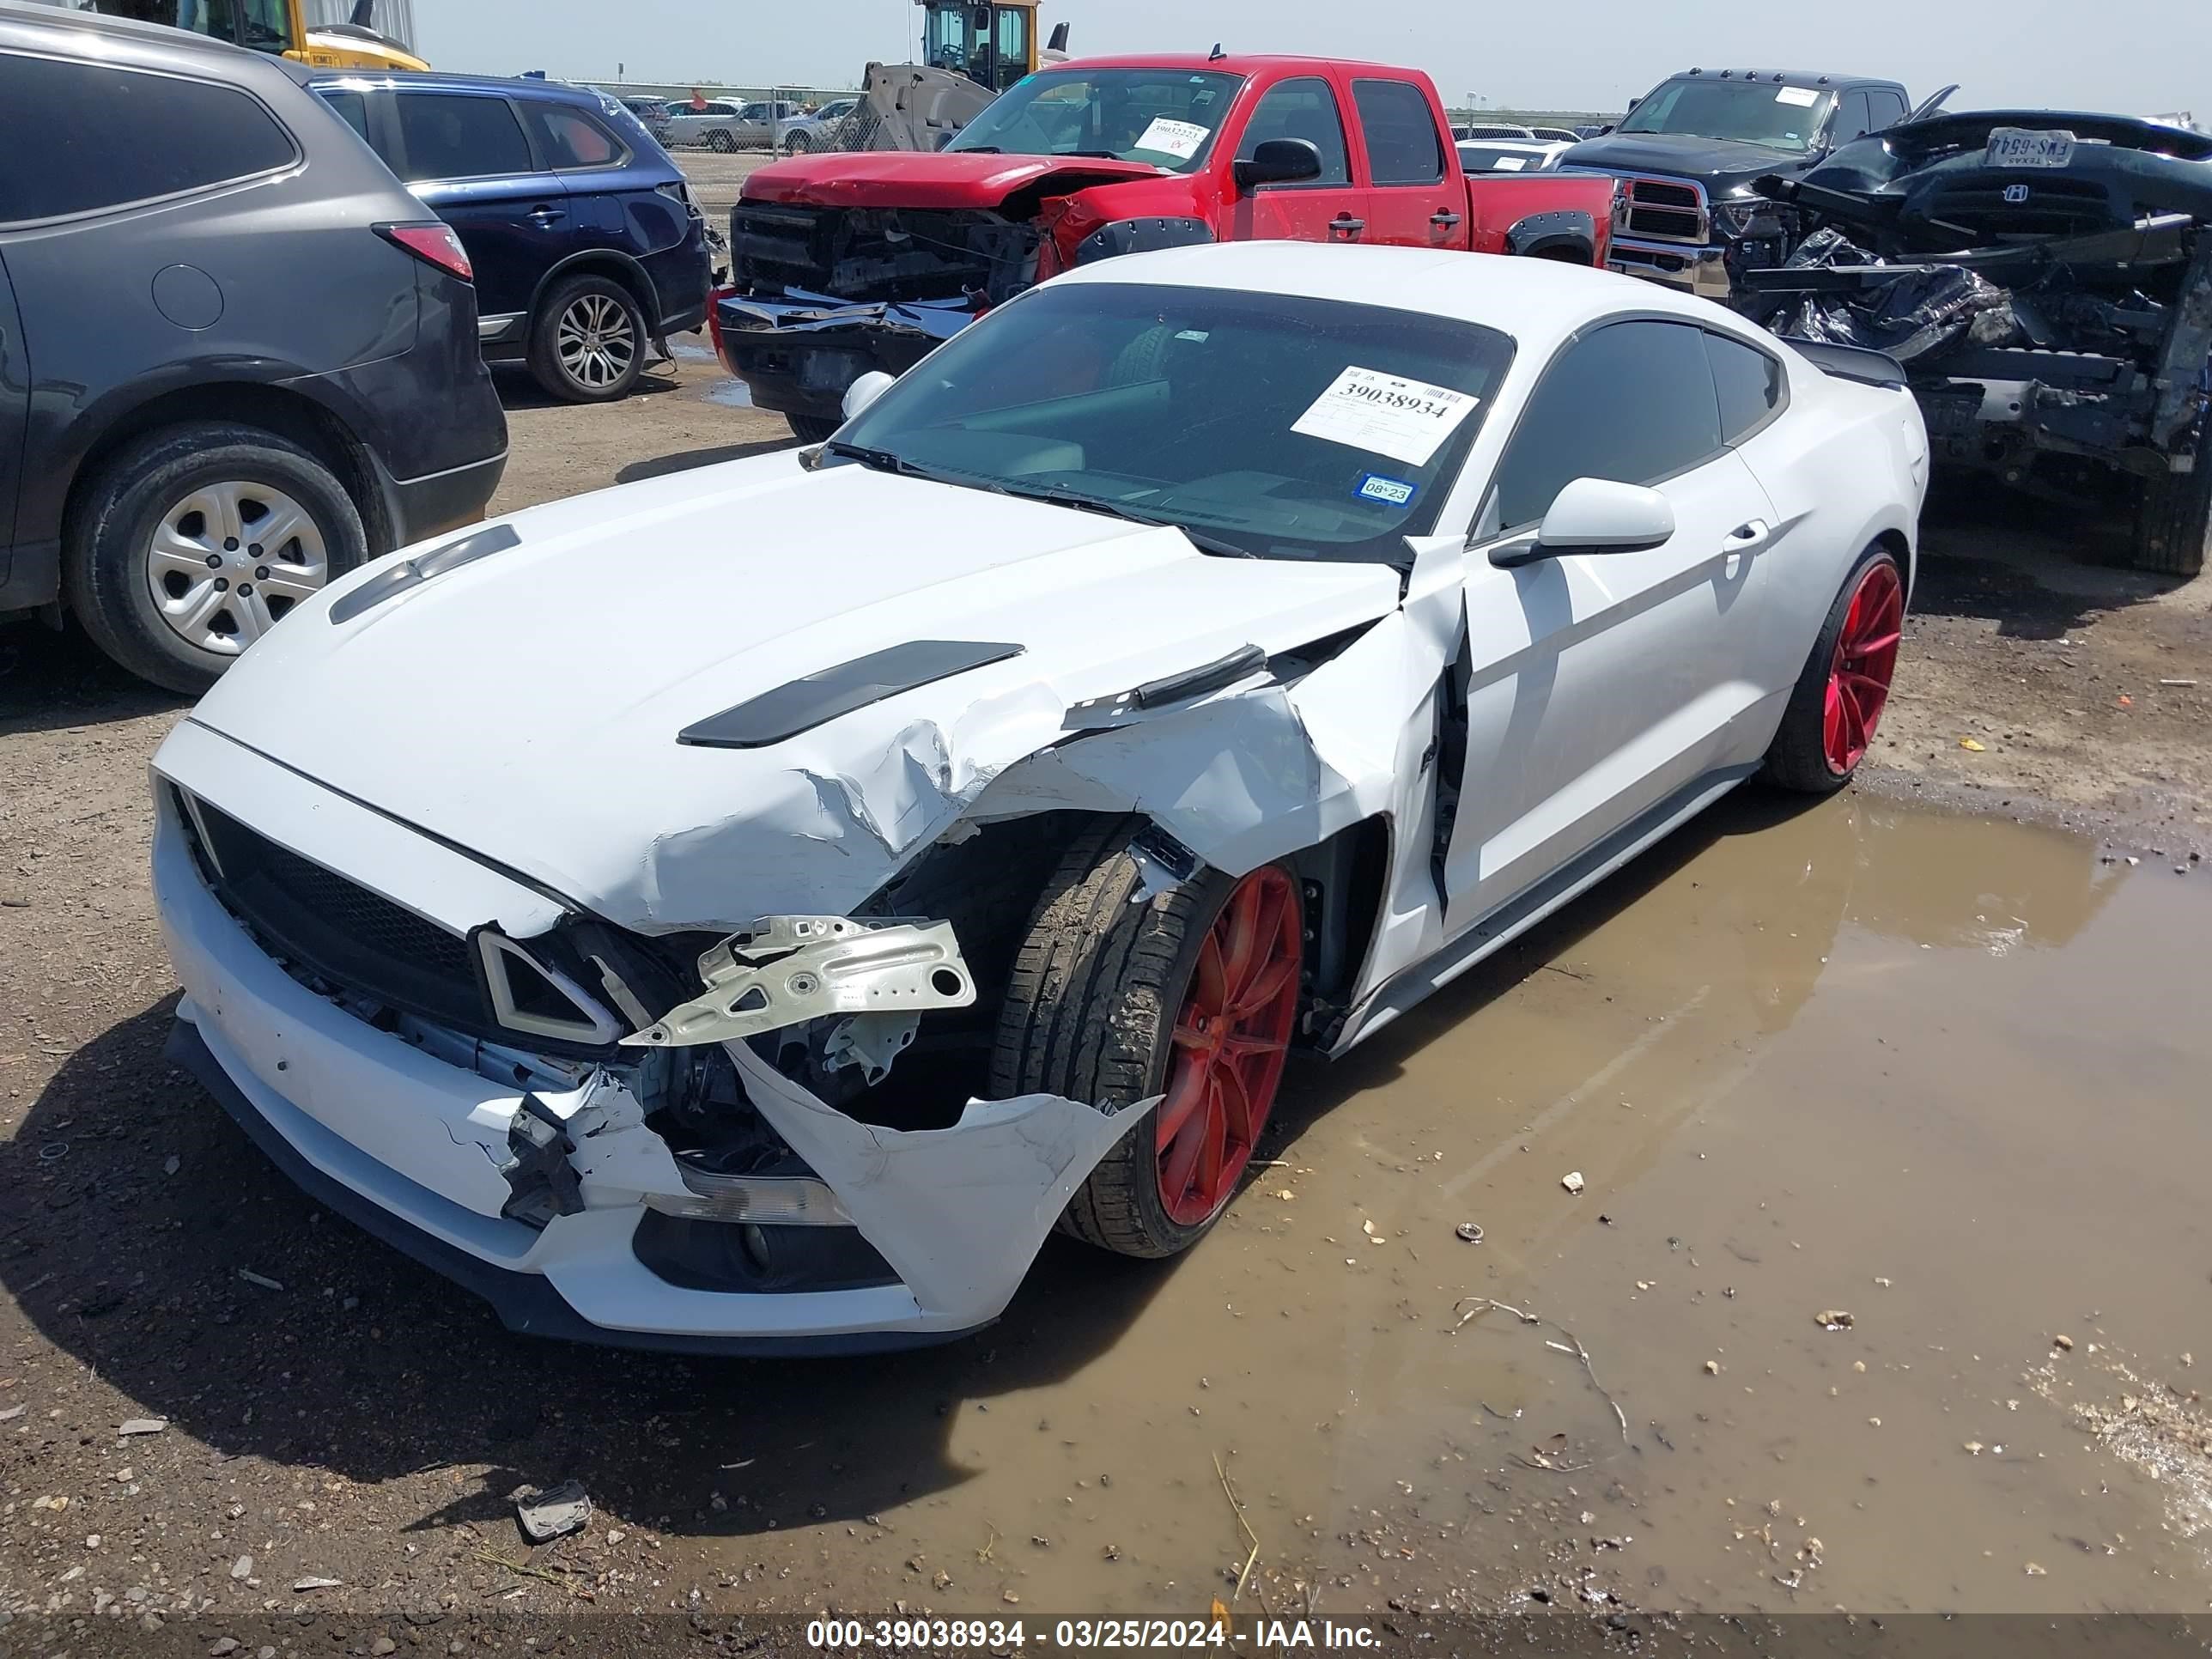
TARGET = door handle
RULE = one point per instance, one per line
(1444, 219)
(1345, 225)
(1741, 542)
(547, 215)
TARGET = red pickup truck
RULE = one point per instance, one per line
(842, 263)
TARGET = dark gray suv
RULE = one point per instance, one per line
(237, 358)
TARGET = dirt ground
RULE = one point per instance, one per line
(1834, 1063)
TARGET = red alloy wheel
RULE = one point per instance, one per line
(1866, 659)
(1232, 1039)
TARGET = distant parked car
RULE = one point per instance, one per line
(585, 240)
(237, 359)
(652, 114)
(818, 131)
(722, 125)
(1508, 155)
(1492, 130)
(1557, 134)
(694, 124)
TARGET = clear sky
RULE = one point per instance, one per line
(2131, 57)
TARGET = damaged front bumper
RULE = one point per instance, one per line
(799, 354)
(546, 1192)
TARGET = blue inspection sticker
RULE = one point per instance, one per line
(1391, 492)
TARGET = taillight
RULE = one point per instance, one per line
(434, 244)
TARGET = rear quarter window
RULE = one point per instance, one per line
(1750, 384)
(573, 141)
(80, 137)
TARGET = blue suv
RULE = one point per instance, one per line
(585, 240)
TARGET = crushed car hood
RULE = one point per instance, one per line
(525, 708)
(943, 179)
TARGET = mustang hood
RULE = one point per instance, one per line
(525, 707)
(891, 179)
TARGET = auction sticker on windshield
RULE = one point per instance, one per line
(1407, 420)
(2024, 147)
(1180, 139)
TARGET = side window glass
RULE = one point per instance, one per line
(1852, 120)
(450, 134)
(82, 137)
(266, 26)
(574, 140)
(352, 108)
(1888, 109)
(1749, 381)
(1403, 145)
(1013, 45)
(1633, 403)
(1303, 109)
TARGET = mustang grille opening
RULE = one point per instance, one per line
(336, 928)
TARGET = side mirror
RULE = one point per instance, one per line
(1595, 515)
(872, 385)
(1280, 161)
(1633, 102)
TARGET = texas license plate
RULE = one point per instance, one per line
(2023, 147)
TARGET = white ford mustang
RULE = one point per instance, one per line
(745, 911)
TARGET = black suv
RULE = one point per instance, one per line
(1691, 150)
(585, 240)
(237, 358)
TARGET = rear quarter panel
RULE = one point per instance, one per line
(304, 287)
(1846, 466)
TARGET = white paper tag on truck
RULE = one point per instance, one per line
(1180, 139)
(1383, 415)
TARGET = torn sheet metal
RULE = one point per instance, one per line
(789, 969)
(960, 1213)
(1250, 774)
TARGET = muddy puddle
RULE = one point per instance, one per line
(1944, 1077)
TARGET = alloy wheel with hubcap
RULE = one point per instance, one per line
(227, 560)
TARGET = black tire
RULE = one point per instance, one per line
(1089, 1014)
(798, 144)
(107, 544)
(813, 428)
(575, 295)
(2174, 518)
(1798, 760)
(721, 142)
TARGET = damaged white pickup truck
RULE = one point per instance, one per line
(757, 940)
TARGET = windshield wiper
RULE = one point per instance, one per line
(1061, 496)
(882, 460)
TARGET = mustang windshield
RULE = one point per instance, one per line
(1744, 111)
(1166, 116)
(1271, 425)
